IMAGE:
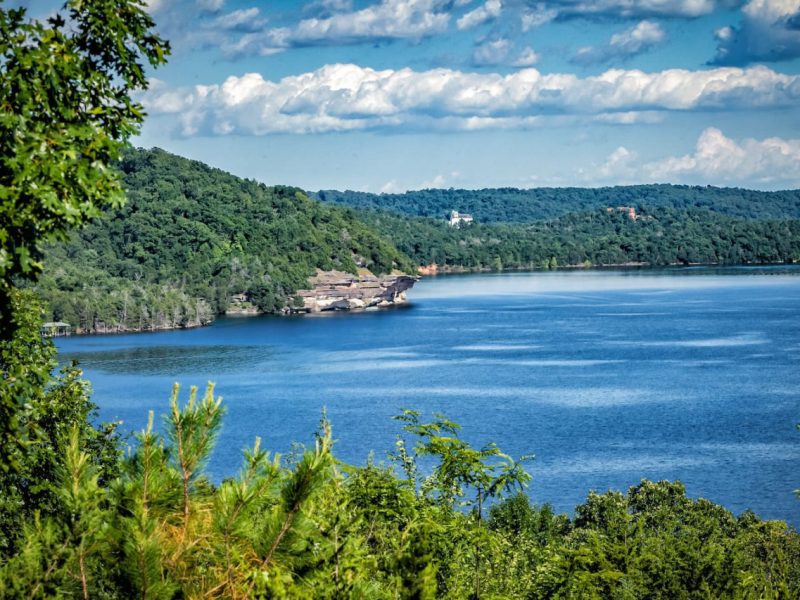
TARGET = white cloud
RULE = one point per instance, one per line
(770, 31)
(346, 97)
(716, 159)
(387, 19)
(328, 6)
(643, 34)
(636, 8)
(526, 58)
(391, 187)
(619, 166)
(770, 10)
(720, 159)
(642, 37)
(437, 182)
(537, 16)
(492, 52)
(440, 180)
(246, 19)
(483, 14)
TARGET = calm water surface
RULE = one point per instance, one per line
(607, 377)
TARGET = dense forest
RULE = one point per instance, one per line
(656, 236)
(512, 205)
(189, 238)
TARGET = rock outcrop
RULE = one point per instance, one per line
(336, 290)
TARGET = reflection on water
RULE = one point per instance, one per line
(168, 360)
(606, 376)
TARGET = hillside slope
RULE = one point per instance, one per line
(192, 237)
(512, 205)
(660, 236)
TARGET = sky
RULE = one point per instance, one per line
(392, 95)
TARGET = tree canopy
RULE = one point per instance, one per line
(66, 112)
(513, 205)
(191, 237)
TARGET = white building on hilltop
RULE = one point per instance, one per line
(456, 218)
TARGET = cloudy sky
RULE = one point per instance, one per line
(389, 95)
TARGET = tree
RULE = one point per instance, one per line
(66, 112)
(65, 115)
(460, 471)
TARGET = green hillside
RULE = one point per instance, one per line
(189, 238)
(512, 205)
(656, 236)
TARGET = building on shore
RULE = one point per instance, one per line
(56, 329)
(456, 218)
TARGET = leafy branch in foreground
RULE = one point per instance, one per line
(66, 113)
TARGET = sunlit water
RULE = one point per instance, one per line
(607, 377)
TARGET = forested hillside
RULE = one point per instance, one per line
(599, 237)
(512, 205)
(189, 238)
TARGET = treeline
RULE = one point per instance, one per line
(512, 205)
(657, 236)
(192, 237)
(80, 518)
(189, 238)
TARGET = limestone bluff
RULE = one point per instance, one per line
(338, 290)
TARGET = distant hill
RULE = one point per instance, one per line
(193, 239)
(512, 205)
(190, 237)
(656, 236)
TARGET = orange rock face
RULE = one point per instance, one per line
(431, 269)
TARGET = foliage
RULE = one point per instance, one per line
(512, 205)
(658, 236)
(65, 113)
(51, 408)
(190, 238)
(154, 526)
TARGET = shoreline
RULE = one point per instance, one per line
(450, 272)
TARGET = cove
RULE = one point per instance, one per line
(606, 376)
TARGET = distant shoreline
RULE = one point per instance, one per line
(447, 273)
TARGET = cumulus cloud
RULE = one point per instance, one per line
(716, 159)
(527, 58)
(491, 52)
(384, 20)
(325, 8)
(483, 14)
(246, 19)
(619, 166)
(642, 37)
(537, 16)
(720, 159)
(346, 97)
(769, 31)
(635, 8)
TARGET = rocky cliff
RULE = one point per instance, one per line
(336, 290)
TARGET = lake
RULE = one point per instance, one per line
(606, 376)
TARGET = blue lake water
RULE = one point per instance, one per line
(606, 376)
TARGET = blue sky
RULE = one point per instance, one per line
(389, 95)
